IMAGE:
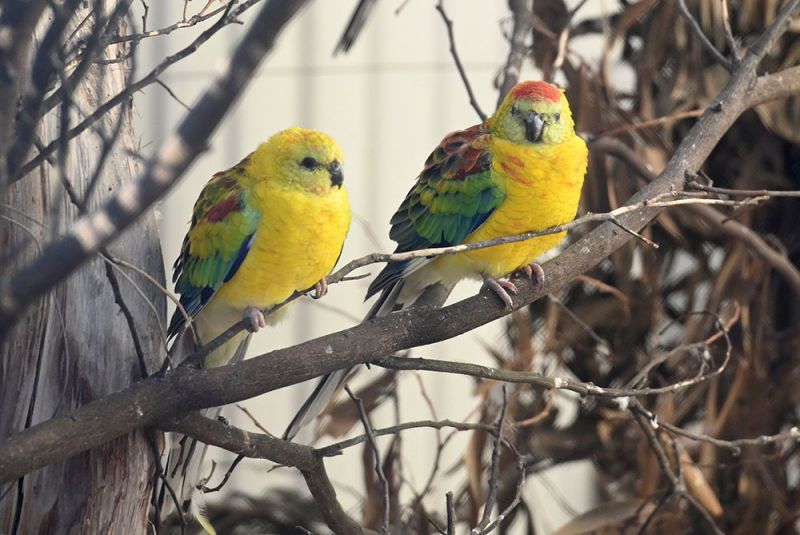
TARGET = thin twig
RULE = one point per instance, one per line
(453, 52)
(532, 378)
(337, 448)
(494, 469)
(373, 442)
(695, 26)
(253, 419)
(649, 426)
(626, 128)
(125, 94)
(693, 184)
(514, 502)
(517, 50)
(726, 25)
(193, 21)
(202, 487)
(451, 513)
(171, 93)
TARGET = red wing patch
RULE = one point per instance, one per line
(459, 155)
(225, 207)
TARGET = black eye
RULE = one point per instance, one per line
(514, 110)
(556, 117)
(309, 163)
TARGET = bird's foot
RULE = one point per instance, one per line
(256, 319)
(534, 272)
(502, 287)
(320, 288)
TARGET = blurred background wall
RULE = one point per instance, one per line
(388, 102)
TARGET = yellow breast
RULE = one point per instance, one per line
(298, 241)
(543, 187)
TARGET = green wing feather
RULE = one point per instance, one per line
(218, 240)
(453, 196)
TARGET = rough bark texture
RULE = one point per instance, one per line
(74, 345)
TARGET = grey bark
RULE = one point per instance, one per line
(74, 345)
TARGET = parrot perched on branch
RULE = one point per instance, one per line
(272, 225)
(522, 170)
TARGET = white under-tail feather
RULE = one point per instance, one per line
(330, 384)
(183, 459)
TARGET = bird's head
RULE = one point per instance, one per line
(533, 113)
(300, 158)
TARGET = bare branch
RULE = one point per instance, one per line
(449, 25)
(451, 513)
(494, 469)
(376, 452)
(726, 25)
(742, 192)
(132, 88)
(258, 446)
(193, 21)
(509, 76)
(708, 45)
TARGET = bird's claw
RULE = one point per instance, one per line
(256, 319)
(320, 288)
(502, 287)
(533, 272)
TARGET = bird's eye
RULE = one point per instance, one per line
(309, 163)
(556, 117)
(514, 110)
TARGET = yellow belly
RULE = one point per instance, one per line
(543, 188)
(297, 243)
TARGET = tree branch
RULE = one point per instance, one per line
(521, 16)
(453, 52)
(707, 44)
(261, 446)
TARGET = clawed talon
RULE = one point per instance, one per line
(502, 287)
(256, 319)
(320, 288)
(533, 272)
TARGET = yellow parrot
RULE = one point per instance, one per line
(269, 226)
(272, 225)
(522, 170)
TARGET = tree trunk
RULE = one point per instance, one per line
(75, 345)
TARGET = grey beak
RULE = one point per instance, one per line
(534, 126)
(337, 178)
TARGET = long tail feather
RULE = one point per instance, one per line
(330, 384)
(184, 460)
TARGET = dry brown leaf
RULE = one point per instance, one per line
(698, 486)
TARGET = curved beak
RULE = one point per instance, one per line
(534, 126)
(337, 178)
